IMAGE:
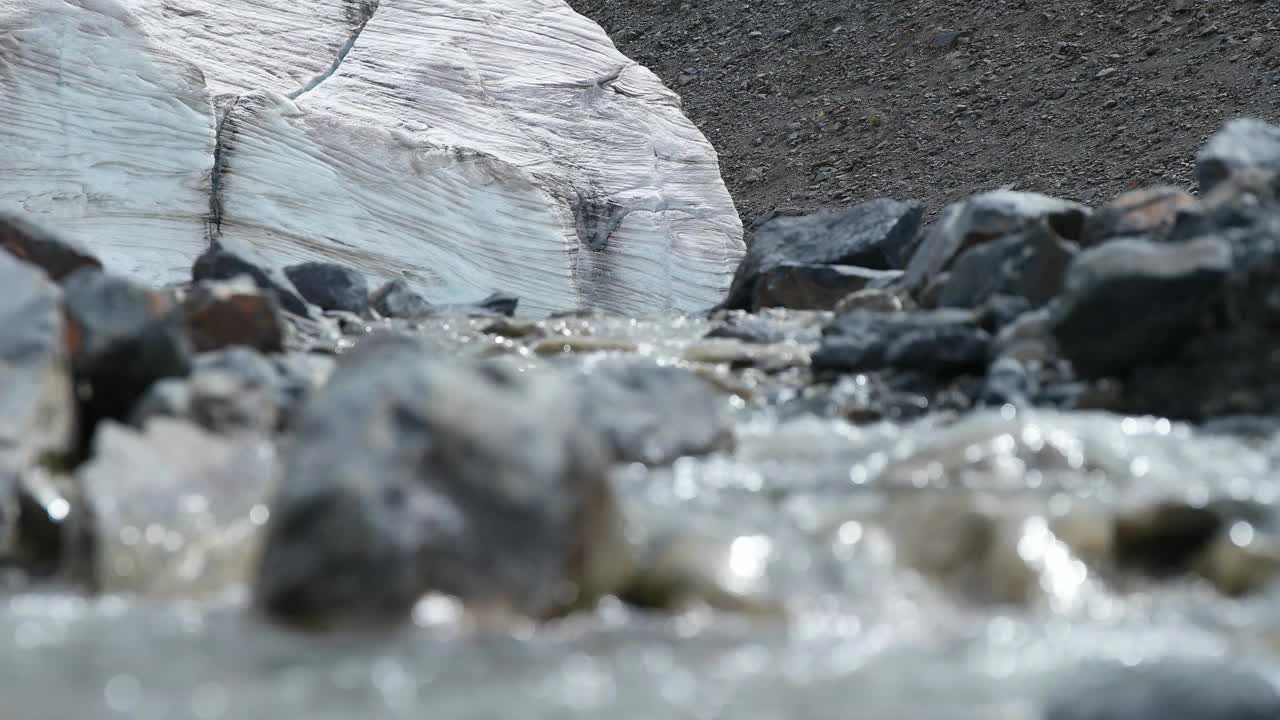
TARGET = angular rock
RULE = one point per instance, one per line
(1149, 212)
(470, 481)
(941, 343)
(331, 286)
(228, 260)
(983, 218)
(500, 303)
(1162, 690)
(396, 299)
(1030, 264)
(228, 391)
(122, 337)
(226, 314)
(872, 299)
(56, 255)
(131, 179)
(37, 404)
(1242, 145)
(872, 235)
(177, 512)
(814, 287)
(654, 414)
(1131, 302)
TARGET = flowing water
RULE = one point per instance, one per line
(862, 535)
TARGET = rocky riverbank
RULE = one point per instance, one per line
(1028, 414)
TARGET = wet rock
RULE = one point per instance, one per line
(1162, 690)
(330, 286)
(1000, 311)
(1149, 212)
(983, 218)
(177, 512)
(942, 343)
(680, 570)
(122, 338)
(397, 300)
(1163, 539)
(738, 354)
(813, 287)
(225, 314)
(748, 329)
(872, 235)
(872, 300)
(1029, 264)
(57, 256)
(509, 328)
(228, 259)
(471, 481)
(567, 344)
(654, 414)
(37, 406)
(1133, 302)
(1242, 145)
(228, 391)
(500, 303)
(1236, 568)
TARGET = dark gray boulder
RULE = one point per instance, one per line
(409, 473)
(1241, 146)
(228, 259)
(227, 391)
(873, 235)
(396, 299)
(57, 256)
(330, 286)
(122, 337)
(814, 287)
(653, 414)
(1162, 690)
(939, 343)
(1131, 303)
(1030, 263)
(500, 303)
(983, 218)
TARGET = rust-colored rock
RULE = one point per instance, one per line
(221, 315)
(56, 256)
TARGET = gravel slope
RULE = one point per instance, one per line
(834, 102)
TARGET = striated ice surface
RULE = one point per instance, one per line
(467, 147)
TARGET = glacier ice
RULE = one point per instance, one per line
(465, 146)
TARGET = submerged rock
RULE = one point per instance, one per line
(654, 414)
(226, 314)
(985, 217)
(122, 338)
(1241, 146)
(331, 286)
(177, 512)
(56, 255)
(469, 481)
(1163, 690)
(872, 235)
(1132, 302)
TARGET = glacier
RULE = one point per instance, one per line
(464, 146)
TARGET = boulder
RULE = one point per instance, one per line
(1241, 146)
(1151, 212)
(227, 391)
(37, 404)
(940, 343)
(229, 260)
(872, 235)
(331, 286)
(814, 287)
(410, 473)
(235, 313)
(1030, 263)
(396, 299)
(1162, 690)
(57, 256)
(985, 217)
(500, 304)
(122, 337)
(1131, 302)
(654, 414)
